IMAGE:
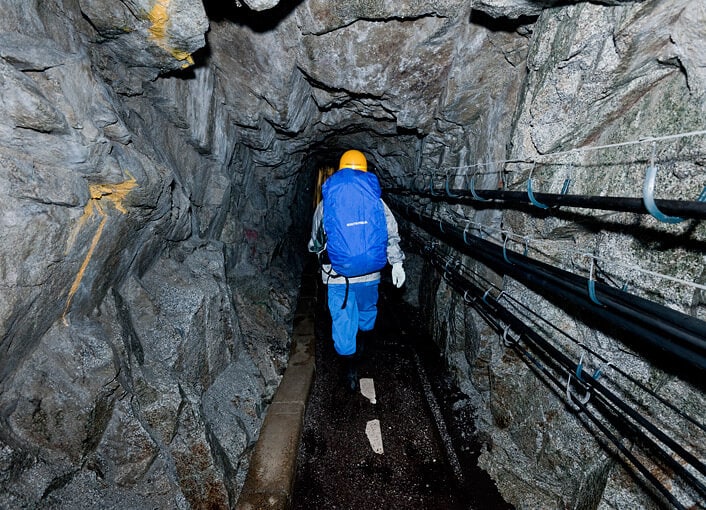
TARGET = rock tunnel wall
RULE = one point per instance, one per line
(157, 160)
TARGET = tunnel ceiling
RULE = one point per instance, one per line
(297, 76)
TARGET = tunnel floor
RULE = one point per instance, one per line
(429, 448)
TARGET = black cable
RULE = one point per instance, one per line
(630, 378)
(517, 303)
(611, 437)
(651, 445)
(598, 387)
(677, 335)
(682, 208)
(566, 364)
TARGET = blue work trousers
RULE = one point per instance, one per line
(359, 314)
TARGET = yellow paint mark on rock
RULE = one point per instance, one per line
(114, 193)
(159, 17)
(100, 194)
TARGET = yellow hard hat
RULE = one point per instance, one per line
(353, 159)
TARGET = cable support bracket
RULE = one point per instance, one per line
(648, 193)
(448, 191)
(465, 232)
(505, 238)
(456, 263)
(530, 193)
(570, 396)
(496, 298)
(472, 188)
(431, 184)
(592, 282)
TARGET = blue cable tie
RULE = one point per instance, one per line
(530, 194)
(648, 197)
(505, 251)
(702, 196)
(485, 295)
(431, 187)
(465, 239)
(448, 192)
(592, 292)
(472, 187)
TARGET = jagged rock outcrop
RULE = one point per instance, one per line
(156, 162)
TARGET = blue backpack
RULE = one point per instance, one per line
(354, 222)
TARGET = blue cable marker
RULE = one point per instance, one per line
(599, 371)
(702, 196)
(567, 181)
(485, 295)
(448, 191)
(431, 185)
(579, 368)
(505, 250)
(648, 197)
(592, 292)
(592, 286)
(530, 194)
(472, 187)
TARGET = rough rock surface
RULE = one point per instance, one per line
(156, 169)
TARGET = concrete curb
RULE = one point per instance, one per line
(270, 478)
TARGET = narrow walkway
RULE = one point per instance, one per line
(268, 484)
(427, 459)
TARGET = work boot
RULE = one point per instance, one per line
(351, 373)
(361, 339)
(352, 379)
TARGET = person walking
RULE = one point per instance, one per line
(355, 235)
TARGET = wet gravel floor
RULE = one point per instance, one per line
(428, 462)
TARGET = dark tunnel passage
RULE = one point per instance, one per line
(334, 451)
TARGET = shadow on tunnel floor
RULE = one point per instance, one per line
(336, 465)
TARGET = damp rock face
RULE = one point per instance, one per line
(156, 170)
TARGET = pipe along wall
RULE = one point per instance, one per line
(675, 208)
(677, 336)
(669, 334)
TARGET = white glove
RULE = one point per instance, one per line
(398, 275)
